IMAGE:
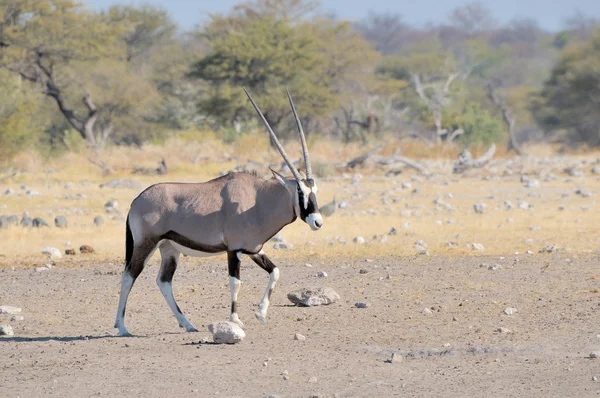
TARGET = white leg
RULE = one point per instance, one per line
(126, 284)
(263, 307)
(164, 280)
(234, 287)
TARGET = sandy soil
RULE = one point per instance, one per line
(66, 345)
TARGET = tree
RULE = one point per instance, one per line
(42, 40)
(388, 33)
(266, 51)
(570, 99)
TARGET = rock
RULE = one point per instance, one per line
(312, 380)
(359, 240)
(70, 252)
(478, 207)
(594, 354)
(60, 221)
(426, 311)
(363, 271)
(532, 184)
(393, 231)
(343, 205)
(594, 378)
(282, 245)
(9, 191)
(6, 330)
(31, 192)
(299, 337)
(510, 311)
(39, 222)
(111, 203)
(548, 249)
(7, 309)
(361, 304)
(406, 185)
(122, 183)
(16, 318)
(85, 249)
(495, 267)
(226, 332)
(313, 297)
(98, 221)
(582, 193)
(52, 252)
(502, 330)
(523, 205)
(508, 205)
(26, 221)
(477, 247)
(321, 274)
(3, 222)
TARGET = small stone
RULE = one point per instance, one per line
(39, 222)
(532, 184)
(299, 337)
(361, 304)
(478, 207)
(86, 249)
(52, 252)
(313, 297)
(282, 246)
(510, 311)
(312, 380)
(495, 267)
(6, 330)
(226, 332)
(548, 249)
(60, 222)
(70, 252)
(393, 231)
(286, 377)
(363, 271)
(594, 378)
(98, 221)
(9, 191)
(359, 240)
(502, 330)
(321, 274)
(7, 309)
(477, 247)
(426, 311)
(594, 354)
(16, 318)
(308, 265)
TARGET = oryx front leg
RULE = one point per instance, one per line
(164, 280)
(263, 261)
(234, 260)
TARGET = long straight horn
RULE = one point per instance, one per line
(274, 138)
(302, 138)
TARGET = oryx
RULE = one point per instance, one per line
(236, 213)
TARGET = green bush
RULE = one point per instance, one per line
(479, 126)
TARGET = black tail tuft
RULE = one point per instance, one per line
(128, 243)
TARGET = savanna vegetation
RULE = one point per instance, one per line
(72, 78)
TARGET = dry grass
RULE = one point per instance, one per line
(573, 229)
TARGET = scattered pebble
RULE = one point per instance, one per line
(6, 330)
(86, 249)
(510, 311)
(361, 304)
(52, 252)
(7, 309)
(226, 332)
(359, 240)
(299, 337)
(321, 274)
(313, 297)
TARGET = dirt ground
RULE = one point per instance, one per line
(66, 345)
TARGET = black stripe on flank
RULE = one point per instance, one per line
(190, 244)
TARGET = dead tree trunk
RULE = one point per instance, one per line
(508, 117)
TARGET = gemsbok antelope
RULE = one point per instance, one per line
(236, 213)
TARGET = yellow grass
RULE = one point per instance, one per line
(572, 229)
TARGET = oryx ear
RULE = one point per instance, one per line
(279, 177)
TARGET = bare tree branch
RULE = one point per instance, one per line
(508, 117)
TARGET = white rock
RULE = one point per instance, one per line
(510, 311)
(502, 330)
(16, 318)
(359, 240)
(426, 311)
(477, 247)
(321, 274)
(7, 309)
(226, 332)
(299, 337)
(594, 354)
(52, 252)
(312, 380)
(478, 207)
(313, 297)
(6, 330)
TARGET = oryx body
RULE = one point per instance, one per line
(236, 213)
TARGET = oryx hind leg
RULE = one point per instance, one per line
(133, 268)
(164, 280)
(263, 261)
(234, 260)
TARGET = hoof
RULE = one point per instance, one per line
(236, 320)
(191, 330)
(125, 334)
(261, 318)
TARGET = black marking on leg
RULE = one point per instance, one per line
(190, 244)
(234, 264)
(263, 262)
(270, 292)
(168, 269)
(233, 307)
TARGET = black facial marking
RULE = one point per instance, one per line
(312, 204)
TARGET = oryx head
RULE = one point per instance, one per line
(303, 189)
